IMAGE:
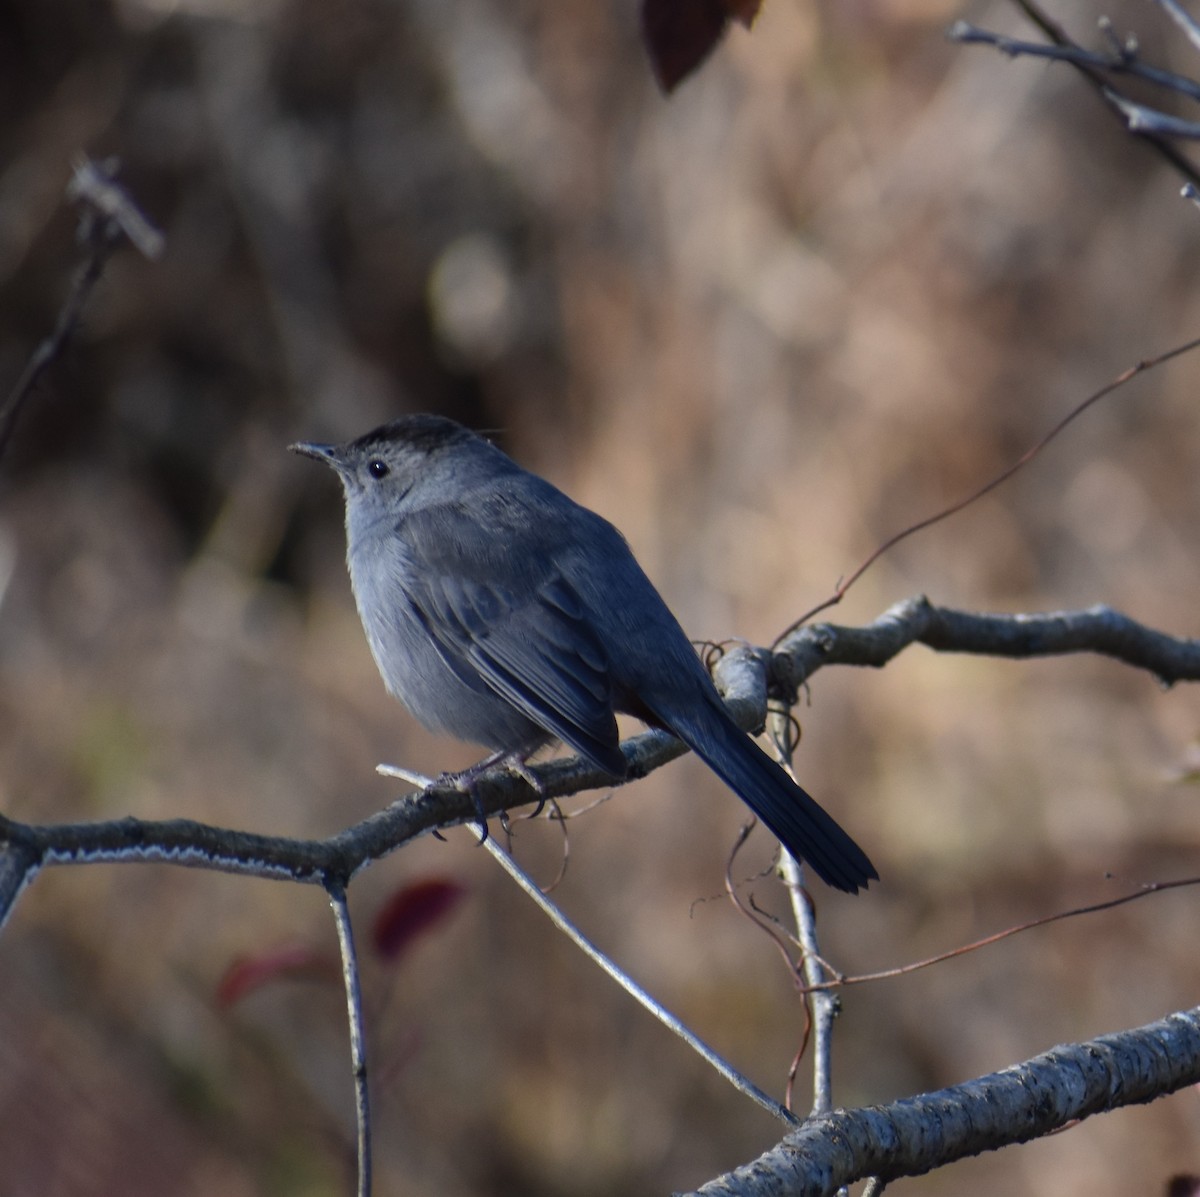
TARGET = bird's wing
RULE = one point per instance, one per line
(522, 627)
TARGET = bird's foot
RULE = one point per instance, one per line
(516, 761)
(467, 780)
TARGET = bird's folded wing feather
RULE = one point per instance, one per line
(532, 644)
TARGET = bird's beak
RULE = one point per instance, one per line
(326, 453)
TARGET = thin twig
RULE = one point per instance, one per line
(94, 185)
(560, 920)
(1123, 48)
(1183, 19)
(812, 965)
(107, 213)
(1096, 77)
(358, 1049)
(1121, 379)
(751, 912)
(1139, 118)
(1144, 891)
(1119, 62)
(1142, 119)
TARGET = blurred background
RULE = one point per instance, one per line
(845, 274)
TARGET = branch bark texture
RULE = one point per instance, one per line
(747, 677)
(915, 1135)
(902, 1139)
(1099, 630)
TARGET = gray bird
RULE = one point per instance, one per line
(502, 612)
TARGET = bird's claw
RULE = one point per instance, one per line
(467, 781)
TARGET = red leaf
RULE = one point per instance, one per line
(410, 912)
(248, 973)
(681, 34)
(743, 11)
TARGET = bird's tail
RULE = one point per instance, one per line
(803, 827)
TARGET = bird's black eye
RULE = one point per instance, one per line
(377, 468)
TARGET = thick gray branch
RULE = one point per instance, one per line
(1098, 630)
(25, 849)
(902, 1139)
(1026, 1101)
(742, 675)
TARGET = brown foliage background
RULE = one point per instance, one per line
(841, 277)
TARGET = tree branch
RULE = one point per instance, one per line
(742, 675)
(830, 1149)
(917, 1134)
(1096, 72)
(1191, 30)
(107, 213)
(812, 971)
(1124, 62)
(636, 991)
(1099, 630)
(26, 848)
(351, 980)
(834, 1148)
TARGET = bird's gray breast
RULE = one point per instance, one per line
(432, 676)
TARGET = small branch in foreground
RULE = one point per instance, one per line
(358, 1050)
(915, 1135)
(812, 969)
(1142, 119)
(645, 999)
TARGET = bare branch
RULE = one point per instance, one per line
(1126, 375)
(25, 848)
(813, 971)
(18, 867)
(1183, 19)
(358, 1038)
(1098, 629)
(107, 213)
(1141, 119)
(644, 998)
(742, 675)
(94, 186)
(1096, 75)
(1122, 60)
(886, 1142)
(915, 1135)
(1138, 895)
